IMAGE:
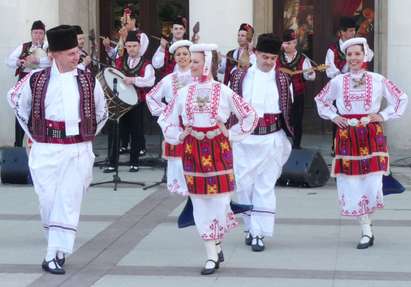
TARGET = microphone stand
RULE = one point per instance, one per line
(115, 148)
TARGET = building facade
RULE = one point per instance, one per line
(219, 21)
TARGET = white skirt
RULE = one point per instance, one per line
(213, 216)
(359, 195)
(176, 182)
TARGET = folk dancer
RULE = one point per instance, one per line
(258, 159)
(139, 74)
(245, 44)
(25, 58)
(361, 154)
(163, 60)
(294, 60)
(195, 119)
(61, 109)
(157, 100)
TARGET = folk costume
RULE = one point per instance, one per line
(61, 113)
(195, 119)
(229, 64)
(361, 154)
(157, 100)
(258, 159)
(296, 62)
(83, 53)
(132, 122)
(39, 50)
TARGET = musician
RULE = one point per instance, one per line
(61, 109)
(361, 154)
(157, 100)
(258, 159)
(294, 60)
(195, 119)
(335, 58)
(245, 42)
(27, 57)
(139, 74)
(129, 23)
(85, 60)
(162, 59)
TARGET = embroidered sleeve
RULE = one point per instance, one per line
(169, 120)
(154, 99)
(101, 107)
(246, 115)
(19, 98)
(324, 100)
(397, 100)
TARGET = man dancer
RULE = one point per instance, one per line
(244, 40)
(259, 158)
(27, 57)
(162, 58)
(294, 60)
(61, 109)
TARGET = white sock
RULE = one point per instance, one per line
(218, 246)
(365, 223)
(211, 253)
(51, 253)
(60, 254)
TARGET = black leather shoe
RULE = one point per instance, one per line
(209, 271)
(58, 270)
(142, 152)
(124, 150)
(134, 168)
(248, 239)
(61, 261)
(367, 244)
(257, 244)
(109, 169)
(220, 254)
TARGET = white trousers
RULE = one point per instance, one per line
(213, 216)
(61, 174)
(359, 195)
(176, 182)
(258, 162)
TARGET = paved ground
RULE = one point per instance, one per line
(129, 238)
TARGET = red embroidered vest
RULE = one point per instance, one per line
(37, 122)
(339, 56)
(169, 64)
(229, 66)
(283, 84)
(24, 53)
(296, 64)
(137, 71)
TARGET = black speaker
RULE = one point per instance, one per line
(305, 168)
(14, 167)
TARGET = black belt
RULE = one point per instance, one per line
(261, 130)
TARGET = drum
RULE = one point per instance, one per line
(127, 95)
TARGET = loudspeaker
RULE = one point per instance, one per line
(305, 168)
(14, 167)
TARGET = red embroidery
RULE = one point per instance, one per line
(363, 206)
(346, 92)
(368, 92)
(217, 230)
(395, 91)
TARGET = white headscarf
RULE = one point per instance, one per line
(208, 55)
(368, 53)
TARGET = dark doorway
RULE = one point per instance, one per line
(153, 15)
(316, 23)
